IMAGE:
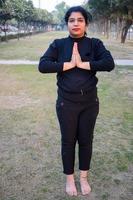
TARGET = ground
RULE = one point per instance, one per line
(30, 161)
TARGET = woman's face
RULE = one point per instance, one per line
(76, 25)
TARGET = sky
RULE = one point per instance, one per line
(50, 4)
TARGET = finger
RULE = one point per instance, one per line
(73, 58)
(75, 46)
(74, 50)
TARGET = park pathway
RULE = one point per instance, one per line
(29, 62)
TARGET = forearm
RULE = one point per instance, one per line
(49, 61)
(53, 67)
(103, 60)
(46, 66)
(106, 64)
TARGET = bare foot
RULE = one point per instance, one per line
(70, 186)
(85, 187)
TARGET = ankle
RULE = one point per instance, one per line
(83, 174)
(70, 178)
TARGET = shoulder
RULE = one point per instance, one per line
(57, 43)
(96, 41)
(60, 41)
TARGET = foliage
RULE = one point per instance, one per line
(105, 8)
(5, 10)
(42, 16)
(24, 11)
(116, 9)
(2, 3)
(61, 9)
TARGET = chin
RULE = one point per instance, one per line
(75, 35)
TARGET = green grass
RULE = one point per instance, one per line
(30, 159)
(31, 48)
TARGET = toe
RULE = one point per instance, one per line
(85, 189)
(84, 192)
(70, 193)
(75, 193)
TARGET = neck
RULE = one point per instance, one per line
(77, 36)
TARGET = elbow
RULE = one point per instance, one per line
(111, 65)
(41, 67)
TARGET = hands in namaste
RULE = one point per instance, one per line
(76, 60)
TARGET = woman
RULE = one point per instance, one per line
(76, 59)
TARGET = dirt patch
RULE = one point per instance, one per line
(30, 161)
(123, 185)
(130, 94)
(17, 101)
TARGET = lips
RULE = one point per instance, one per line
(76, 29)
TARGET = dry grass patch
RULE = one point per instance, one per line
(32, 48)
(30, 162)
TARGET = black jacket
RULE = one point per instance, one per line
(76, 79)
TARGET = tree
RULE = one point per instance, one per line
(28, 16)
(61, 9)
(122, 10)
(42, 18)
(28, 11)
(2, 2)
(18, 9)
(25, 14)
(102, 10)
(5, 15)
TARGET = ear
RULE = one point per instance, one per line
(86, 27)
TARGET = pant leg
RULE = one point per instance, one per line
(86, 123)
(67, 115)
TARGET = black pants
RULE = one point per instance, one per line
(77, 115)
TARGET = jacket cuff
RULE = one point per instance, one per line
(60, 67)
(94, 65)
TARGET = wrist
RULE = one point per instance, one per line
(84, 65)
(68, 65)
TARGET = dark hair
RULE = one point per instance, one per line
(87, 16)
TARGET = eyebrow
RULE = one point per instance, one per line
(75, 18)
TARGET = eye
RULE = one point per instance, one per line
(80, 20)
(71, 20)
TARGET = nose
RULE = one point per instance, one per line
(76, 22)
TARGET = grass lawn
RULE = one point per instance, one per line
(30, 162)
(31, 48)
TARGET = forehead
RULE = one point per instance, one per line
(76, 15)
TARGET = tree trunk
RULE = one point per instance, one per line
(99, 27)
(125, 28)
(18, 30)
(25, 25)
(5, 30)
(107, 28)
(119, 27)
(104, 27)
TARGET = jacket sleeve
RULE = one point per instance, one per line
(103, 59)
(48, 62)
